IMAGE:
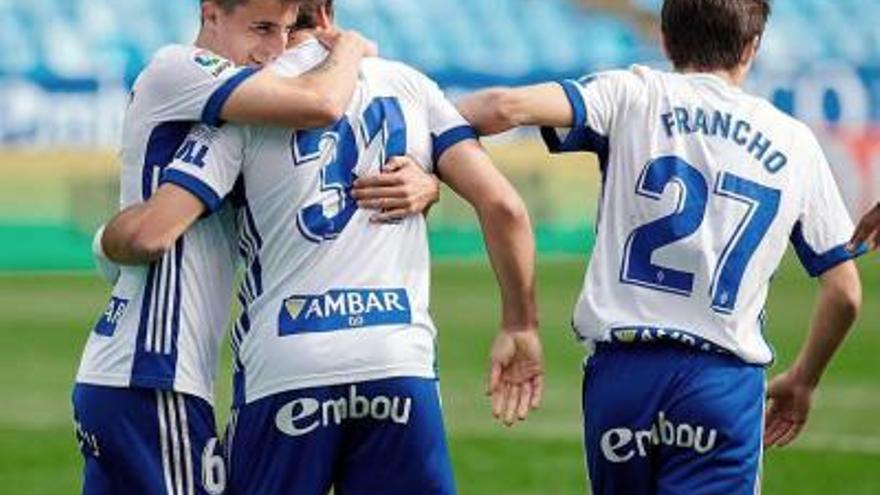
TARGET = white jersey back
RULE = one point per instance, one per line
(703, 185)
(164, 324)
(330, 297)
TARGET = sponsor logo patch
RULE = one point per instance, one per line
(106, 326)
(645, 335)
(620, 445)
(303, 416)
(211, 63)
(339, 309)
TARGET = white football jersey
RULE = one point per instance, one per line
(165, 322)
(329, 297)
(703, 185)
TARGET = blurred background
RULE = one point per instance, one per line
(66, 66)
(65, 70)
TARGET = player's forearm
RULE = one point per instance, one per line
(270, 100)
(839, 303)
(511, 246)
(490, 111)
(335, 79)
(317, 98)
(145, 232)
(497, 110)
(126, 240)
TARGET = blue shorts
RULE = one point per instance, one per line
(665, 419)
(380, 437)
(147, 442)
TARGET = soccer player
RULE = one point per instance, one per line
(335, 381)
(142, 402)
(701, 185)
(868, 231)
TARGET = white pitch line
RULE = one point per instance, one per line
(845, 444)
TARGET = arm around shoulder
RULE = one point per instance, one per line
(145, 232)
(499, 109)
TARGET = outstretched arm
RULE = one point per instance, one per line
(497, 110)
(791, 392)
(517, 368)
(315, 99)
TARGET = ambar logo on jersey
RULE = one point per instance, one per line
(340, 309)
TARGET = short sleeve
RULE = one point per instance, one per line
(824, 226)
(447, 126)
(595, 101)
(208, 163)
(188, 84)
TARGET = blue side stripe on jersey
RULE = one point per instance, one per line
(196, 186)
(450, 138)
(163, 143)
(155, 363)
(250, 244)
(256, 268)
(214, 106)
(818, 263)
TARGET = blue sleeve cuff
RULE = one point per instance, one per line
(214, 107)
(818, 263)
(581, 137)
(578, 107)
(197, 187)
(449, 139)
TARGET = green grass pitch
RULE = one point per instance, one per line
(44, 321)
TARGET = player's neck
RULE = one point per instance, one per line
(734, 77)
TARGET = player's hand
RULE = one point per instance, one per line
(867, 232)
(516, 375)
(790, 401)
(330, 38)
(401, 190)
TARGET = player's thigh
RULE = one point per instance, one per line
(623, 391)
(145, 442)
(286, 444)
(710, 436)
(396, 443)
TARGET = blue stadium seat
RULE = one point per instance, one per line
(459, 41)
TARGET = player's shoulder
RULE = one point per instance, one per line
(782, 123)
(397, 72)
(186, 61)
(621, 81)
(633, 74)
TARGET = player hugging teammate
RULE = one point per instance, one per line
(334, 380)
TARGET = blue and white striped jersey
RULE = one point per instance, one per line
(329, 297)
(164, 324)
(703, 185)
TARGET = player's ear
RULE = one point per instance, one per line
(209, 13)
(750, 52)
(325, 18)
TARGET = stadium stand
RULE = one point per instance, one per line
(451, 39)
(458, 41)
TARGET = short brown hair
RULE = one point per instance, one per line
(227, 5)
(308, 13)
(230, 5)
(711, 34)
